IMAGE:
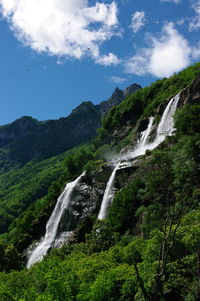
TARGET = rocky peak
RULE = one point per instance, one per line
(19, 128)
(131, 89)
(117, 97)
(84, 107)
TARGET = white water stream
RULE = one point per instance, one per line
(62, 204)
(108, 194)
(165, 128)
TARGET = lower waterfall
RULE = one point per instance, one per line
(62, 204)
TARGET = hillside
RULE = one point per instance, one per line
(147, 245)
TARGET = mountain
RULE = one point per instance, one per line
(116, 98)
(145, 163)
(26, 138)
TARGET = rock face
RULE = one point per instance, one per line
(19, 128)
(131, 89)
(191, 94)
(117, 97)
(85, 201)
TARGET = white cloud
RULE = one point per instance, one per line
(138, 21)
(165, 56)
(107, 60)
(175, 1)
(196, 52)
(195, 22)
(180, 22)
(69, 28)
(117, 79)
(139, 63)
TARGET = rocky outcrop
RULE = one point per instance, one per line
(19, 128)
(131, 89)
(191, 94)
(117, 97)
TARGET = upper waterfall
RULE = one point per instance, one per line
(62, 204)
(165, 128)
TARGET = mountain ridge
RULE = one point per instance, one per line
(43, 139)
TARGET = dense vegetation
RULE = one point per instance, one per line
(147, 248)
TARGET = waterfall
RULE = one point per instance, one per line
(108, 194)
(145, 135)
(166, 125)
(165, 128)
(63, 203)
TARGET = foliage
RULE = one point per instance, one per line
(110, 275)
(125, 203)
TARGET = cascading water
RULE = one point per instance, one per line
(52, 226)
(108, 194)
(145, 135)
(165, 128)
(166, 125)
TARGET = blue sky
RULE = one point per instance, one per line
(54, 54)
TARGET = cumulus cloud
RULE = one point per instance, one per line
(195, 22)
(138, 21)
(117, 79)
(69, 28)
(175, 1)
(165, 55)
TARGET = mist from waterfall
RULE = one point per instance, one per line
(165, 128)
(52, 226)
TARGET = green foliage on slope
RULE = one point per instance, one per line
(72, 274)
